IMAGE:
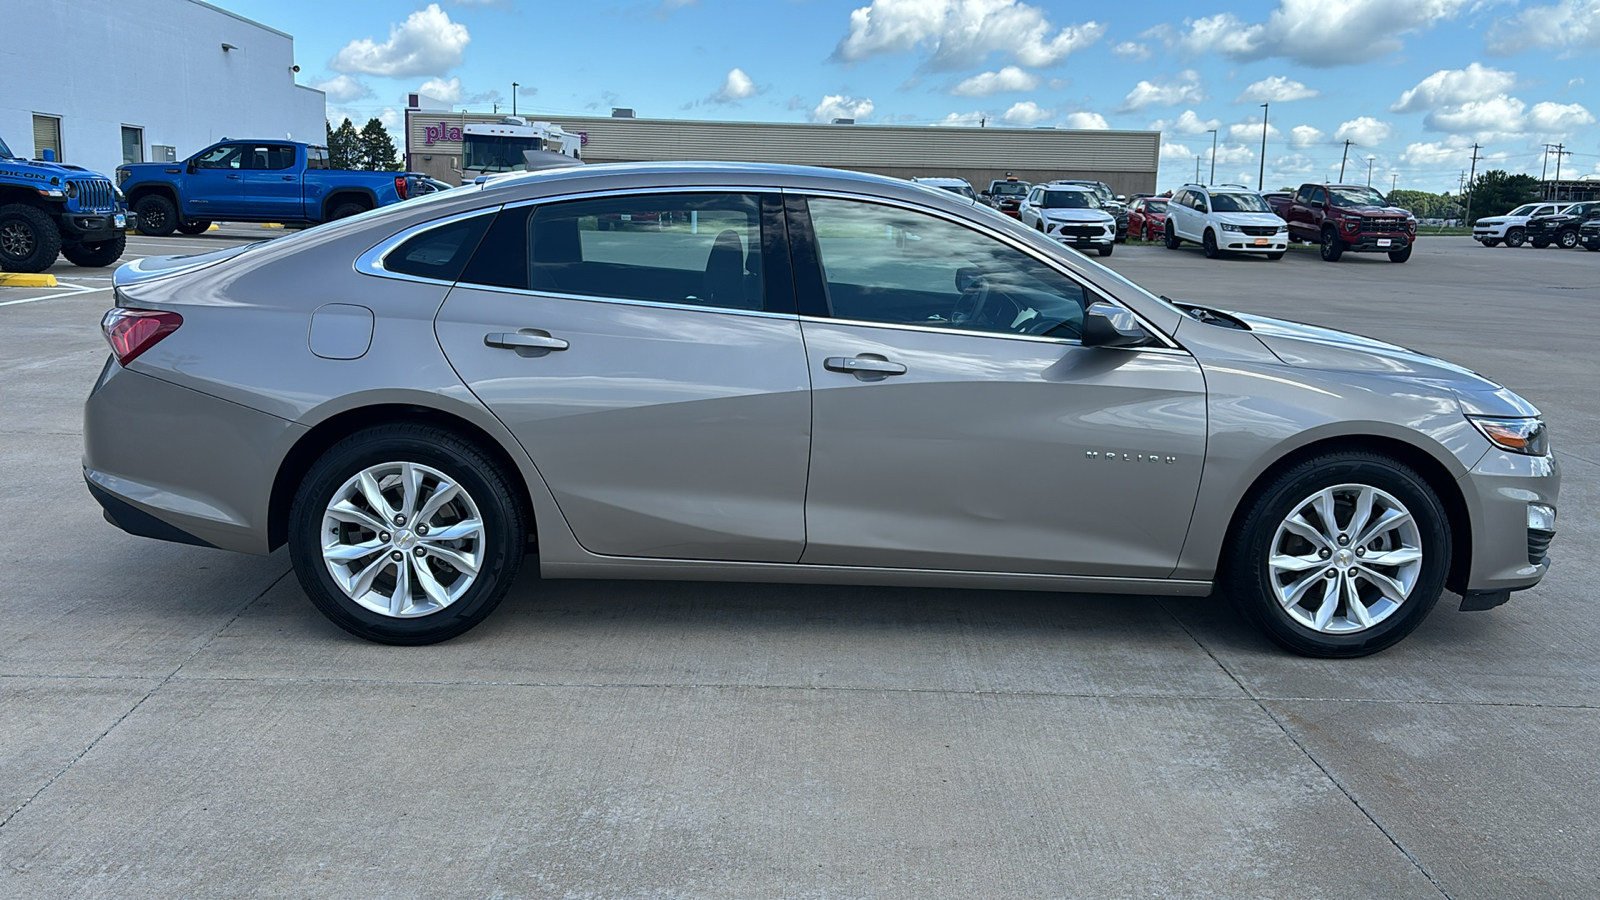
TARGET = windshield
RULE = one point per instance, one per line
(5, 152)
(1524, 210)
(1069, 200)
(1008, 188)
(1575, 209)
(1155, 206)
(496, 153)
(1355, 196)
(961, 189)
(1244, 203)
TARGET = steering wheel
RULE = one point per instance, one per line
(974, 286)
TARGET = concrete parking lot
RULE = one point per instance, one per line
(179, 722)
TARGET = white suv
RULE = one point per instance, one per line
(1071, 214)
(1510, 228)
(1225, 219)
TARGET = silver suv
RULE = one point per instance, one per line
(799, 375)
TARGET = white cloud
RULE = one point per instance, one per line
(1132, 50)
(1232, 154)
(1500, 113)
(391, 118)
(1174, 152)
(840, 106)
(1454, 87)
(1313, 32)
(1365, 131)
(1305, 136)
(1186, 89)
(1086, 121)
(1251, 132)
(963, 120)
(1557, 118)
(961, 33)
(441, 89)
(1026, 112)
(983, 84)
(426, 43)
(1434, 154)
(737, 86)
(1569, 25)
(1293, 163)
(1277, 89)
(1188, 123)
(343, 89)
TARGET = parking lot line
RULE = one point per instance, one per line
(73, 293)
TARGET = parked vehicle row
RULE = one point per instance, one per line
(1540, 224)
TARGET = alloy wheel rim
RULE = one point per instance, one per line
(402, 539)
(16, 241)
(1345, 559)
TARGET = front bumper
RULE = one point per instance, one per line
(1506, 554)
(1589, 239)
(96, 226)
(1378, 242)
(1495, 232)
(1074, 235)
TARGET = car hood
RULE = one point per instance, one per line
(46, 172)
(1314, 347)
(1377, 211)
(1076, 215)
(1250, 219)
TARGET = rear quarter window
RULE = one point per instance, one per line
(439, 253)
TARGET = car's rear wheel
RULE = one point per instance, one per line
(29, 241)
(406, 534)
(1568, 239)
(1400, 256)
(1515, 237)
(346, 210)
(1342, 555)
(157, 216)
(199, 226)
(1208, 243)
(1332, 246)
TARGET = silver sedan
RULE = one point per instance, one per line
(767, 373)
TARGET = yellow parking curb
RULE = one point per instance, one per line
(212, 228)
(271, 224)
(26, 279)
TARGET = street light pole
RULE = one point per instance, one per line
(1261, 177)
(514, 87)
(1213, 157)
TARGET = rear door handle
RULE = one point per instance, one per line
(522, 340)
(863, 364)
(234, 177)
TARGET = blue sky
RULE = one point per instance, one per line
(1413, 83)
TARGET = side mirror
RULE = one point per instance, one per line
(1105, 325)
(190, 167)
(1122, 198)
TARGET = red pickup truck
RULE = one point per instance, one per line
(1342, 217)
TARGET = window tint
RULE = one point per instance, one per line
(1318, 196)
(271, 157)
(1070, 200)
(883, 264)
(693, 249)
(1239, 203)
(223, 157)
(316, 158)
(439, 253)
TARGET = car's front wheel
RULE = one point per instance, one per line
(1400, 256)
(1568, 239)
(1342, 555)
(1491, 242)
(1105, 249)
(1172, 236)
(1332, 246)
(406, 534)
(29, 241)
(1515, 237)
(198, 226)
(1208, 244)
(157, 216)
(99, 254)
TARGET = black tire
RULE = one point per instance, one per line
(1539, 244)
(490, 487)
(1592, 245)
(197, 227)
(1105, 249)
(29, 239)
(1332, 246)
(157, 216)
(1275, 256)
(1248, 581)
(1400, 256)
(1515, 237)
(1490, 242)
(345, 211)
(97, 255)
(1173, 241)
(1208, 243)
(1568, 238)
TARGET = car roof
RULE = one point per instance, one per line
(939, 179)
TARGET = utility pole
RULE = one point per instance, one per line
(1343, 158)
(514, 87)
(1560, 152)
(1213, 157)
(1470, 179)
(1261, 178)
(1544, 183)
(1394, 181)
(1197, 168)
(1369, 170)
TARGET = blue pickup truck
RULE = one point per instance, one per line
(48, 209)
(253, 181)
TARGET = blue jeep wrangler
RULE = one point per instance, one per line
(49, 209)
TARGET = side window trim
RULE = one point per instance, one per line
(371, 262)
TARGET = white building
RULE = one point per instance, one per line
(103, 82)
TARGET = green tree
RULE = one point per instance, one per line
(344, 146)
(376, 149)
(1495, 193)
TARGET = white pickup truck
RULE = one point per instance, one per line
(1490, 231)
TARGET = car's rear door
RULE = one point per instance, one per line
(272, 181)
(959, 423)
(654, 373)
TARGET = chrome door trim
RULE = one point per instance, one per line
(371, 262)
(667, 189)
(1009, 240)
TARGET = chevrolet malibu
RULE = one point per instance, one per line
(797, 375)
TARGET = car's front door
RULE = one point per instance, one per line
(958, 422)
(272, 181)
(655, 375)
(215, 189)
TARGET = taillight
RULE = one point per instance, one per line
(400, 186)
(133, 331)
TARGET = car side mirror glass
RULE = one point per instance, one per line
(1122, 197)
(191, 167)
(1106, 325)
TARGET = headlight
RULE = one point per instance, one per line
(72, 189)
(1228, 226)
(1526, 436)
(121, 197)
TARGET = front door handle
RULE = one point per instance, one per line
(523, 340)
(863, 365)
(234, 177)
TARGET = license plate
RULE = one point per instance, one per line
(1384, 242)
(1261, 242)
(121, 220)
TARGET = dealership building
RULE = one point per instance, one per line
(1125, 160)
(104, 82)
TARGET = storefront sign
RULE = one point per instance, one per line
(440, 132)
